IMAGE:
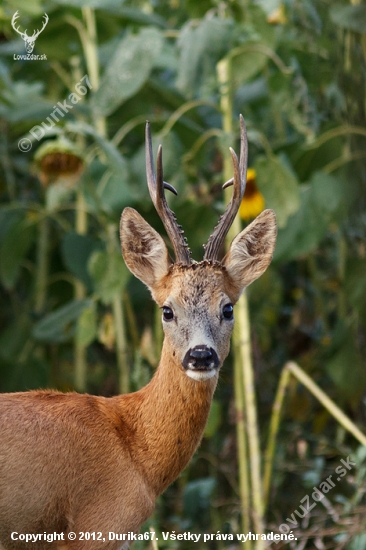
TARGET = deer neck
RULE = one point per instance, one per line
(167, 418)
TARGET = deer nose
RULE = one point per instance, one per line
(200, 358)
(201, 353)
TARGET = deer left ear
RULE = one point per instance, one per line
(251, 251)
(143, 249)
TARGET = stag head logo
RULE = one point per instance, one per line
(29, 40)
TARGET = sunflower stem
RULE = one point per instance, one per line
(120, 325)
(42, 266)
(242, 351)
(81, 227)
(326, 401)
(272, 434)
(241, 439)
(89, 39)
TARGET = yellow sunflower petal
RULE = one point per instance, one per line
(250, 208)
(251, 174)
(253, 201)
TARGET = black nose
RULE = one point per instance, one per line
(201, 353)
(200, 358)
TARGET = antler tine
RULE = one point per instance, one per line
(37, 33)
(14, 18)
(156, 185)
(13, 21)
(215, 241)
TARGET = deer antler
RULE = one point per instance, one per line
(216, 239)
(156, 186)
(13, 21)
(36, 33)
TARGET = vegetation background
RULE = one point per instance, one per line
(71, 315)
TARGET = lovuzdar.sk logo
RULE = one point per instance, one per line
(29, 40)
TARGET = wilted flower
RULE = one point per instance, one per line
(59, 159)
(253, 200)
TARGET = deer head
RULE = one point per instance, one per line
(29, 40)
(197, 298)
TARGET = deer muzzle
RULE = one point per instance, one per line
(201, 358)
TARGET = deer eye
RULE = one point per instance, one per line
(168, 314)
(227, 311)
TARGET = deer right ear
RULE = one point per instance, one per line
(143, 249)
(251, 251)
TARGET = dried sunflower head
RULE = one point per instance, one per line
(59, 160)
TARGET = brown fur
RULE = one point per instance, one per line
(71, 462)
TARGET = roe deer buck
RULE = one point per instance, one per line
(80, 463)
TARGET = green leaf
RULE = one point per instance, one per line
(117, 193)
(328, 193)
(116, 161)
(59, 326)
(197, 10)
(279, 186)
(86, 328)
(303, 232)
(259, 21)
(345, 366)
(31, 7)
(136, 15)
(321, 201)
(99, 4)
(14, 247)
(109, 274)
(28, 109)
(200, 49)
(14, 337)
(349, 17)
(355, 285)
(269, 6)
(76, 250)
(247, 64)
(128, 69)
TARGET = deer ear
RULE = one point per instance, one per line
(143, 249)
(251, 251)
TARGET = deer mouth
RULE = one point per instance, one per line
(201, 362)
